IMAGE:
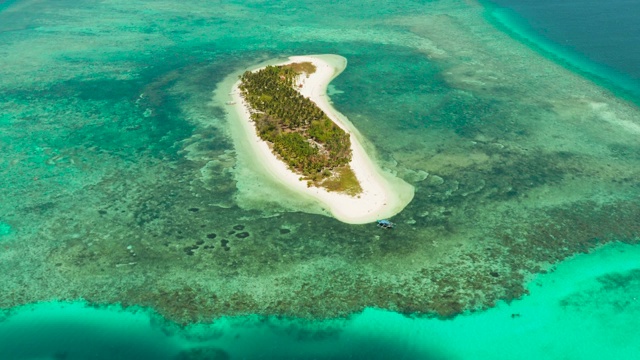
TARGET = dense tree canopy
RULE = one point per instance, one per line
(300, 132)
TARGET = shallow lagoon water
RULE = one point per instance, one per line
(584, 309)
(121, 188)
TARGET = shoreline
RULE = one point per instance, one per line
(383, 195)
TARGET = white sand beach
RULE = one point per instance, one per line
(383, 196)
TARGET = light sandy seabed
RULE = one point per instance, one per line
(383, 195)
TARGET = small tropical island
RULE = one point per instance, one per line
(296, 129)
(291, 133)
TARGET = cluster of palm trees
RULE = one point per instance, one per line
(300, 132)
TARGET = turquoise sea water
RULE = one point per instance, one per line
(119, 186)
(585, 309)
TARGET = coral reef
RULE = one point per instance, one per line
(121, 174)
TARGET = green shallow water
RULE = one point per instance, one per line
(584, 309)
(120, 186)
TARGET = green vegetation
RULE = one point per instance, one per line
(302, 67)
(300, 133)
(344, 181)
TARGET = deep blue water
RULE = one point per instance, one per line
(606, 33)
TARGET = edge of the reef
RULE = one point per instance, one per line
(383, 195)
